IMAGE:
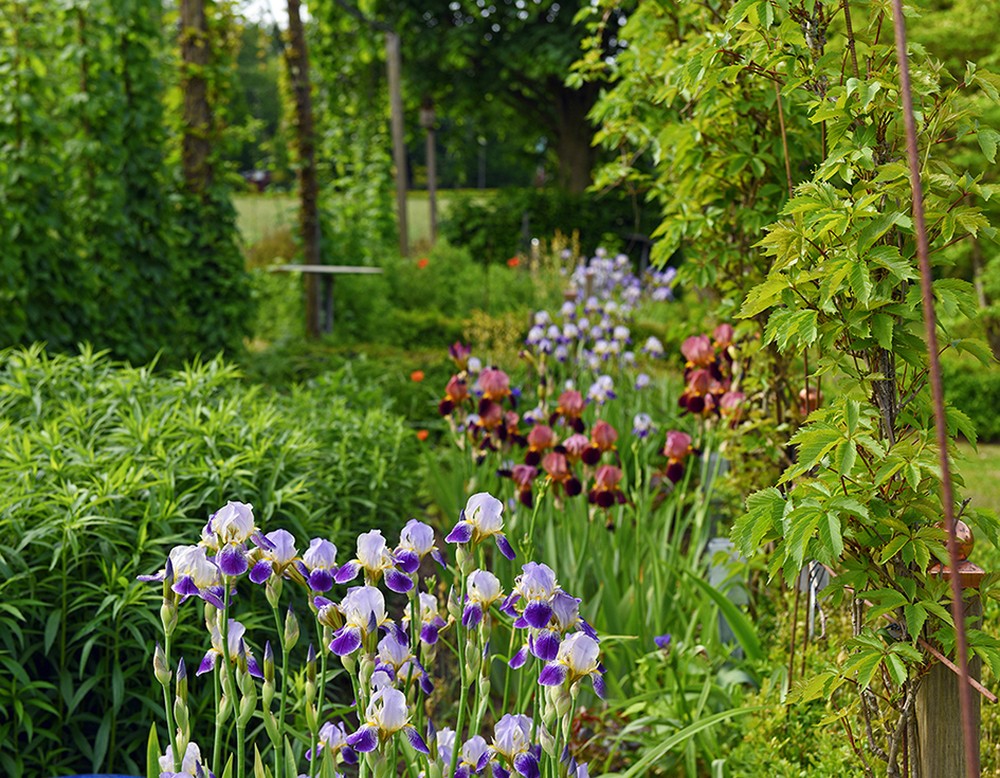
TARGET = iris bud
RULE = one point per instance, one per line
(182, 681)
(160, 669)
(248, 704)
(168, 615)
(272, 590)
(291, 636)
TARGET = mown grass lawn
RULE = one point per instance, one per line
(259, 214)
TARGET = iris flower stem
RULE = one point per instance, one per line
(460, 645)
(278, 745)
(169, 709)
(555, 750)
(507, 675)
(321, 698)
(231, 678)
(217, 743)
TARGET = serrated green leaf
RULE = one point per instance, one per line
(882, 330)
(892, 548)
(845, 457)
(830, 534)
(896, 668)
(916, 615)
(987, 139)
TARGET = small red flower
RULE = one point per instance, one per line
(417, 376)
(422, 435)
(422, 263)
(513, 262)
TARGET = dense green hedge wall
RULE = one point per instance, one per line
(105, 467)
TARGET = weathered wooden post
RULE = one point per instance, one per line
(427, 121)
(394, 67)
(939, 714)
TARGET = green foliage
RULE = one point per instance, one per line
(105, 467)
(493, 228)
(974, 390)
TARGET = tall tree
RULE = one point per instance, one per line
(471, 56)
(297, 62)
(215, 291)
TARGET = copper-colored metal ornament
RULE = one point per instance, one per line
(970, 575)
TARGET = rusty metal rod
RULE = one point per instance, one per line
(948, 499)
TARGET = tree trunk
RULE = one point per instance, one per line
(297, 62)
(196, 143)
(574, 136)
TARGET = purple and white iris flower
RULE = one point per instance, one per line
(416, 540)
(227, 533)
(602, 390)
(473, 757)
(397, 661)
(482, 518)
(578, 658)
(431, 622)
(364, 612)
(482, 590)
(642, 425)
(376, 560)
(544, 643)
(512, 743)
(334, 737)
(236, 646)
(444, 745)
(193, 573)
(642, 381)
(653, 347)
(318, 565)
(276, 559)
(386, 715)
(191, 764)
(536, 587)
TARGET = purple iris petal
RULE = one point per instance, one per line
(504, 545)
(185, 585)
(364, 740)
(508, 604)
(348, 572)
(462, 533)
(387, 669)
(472, 615)
(253, 668)
(517, 661)
(407, 560)
(527, 765)
(416, 741)
(398, 582)
(546, 645)
(261, 571)
(213, 596)
(537, 614)
(232, 560)
(429, 634)
(662, 641)
(399, 633)
(589, 631)
(462, 772)
(262, 541)
(207, 664)
(484, 759)
(346, 640)
(426, 684)
(320, 581)
(349, 755)
(436, 556)
(321, 602)
(500, 772)
(159, 577)
(599, 688)
(553, 675)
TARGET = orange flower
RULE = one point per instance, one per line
(417, 376)
(422, 434)
(513, 262)
(423, 262)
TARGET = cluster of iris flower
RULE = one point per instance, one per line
(708, 376)
(381, 613)
(557, 443)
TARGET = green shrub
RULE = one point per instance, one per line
(974, 390)
(492, 229)
(105, 466)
